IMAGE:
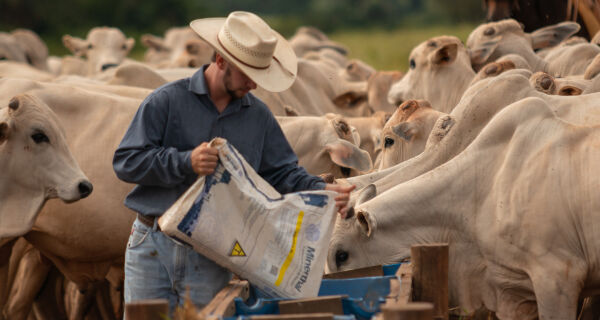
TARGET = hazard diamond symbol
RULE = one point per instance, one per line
(237, 250)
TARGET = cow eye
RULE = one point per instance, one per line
(489, 31)
(345, 171)
(388, 142)
(124, 47)
(341, 256)
(40, 137)
(412, 63)
(90, 46)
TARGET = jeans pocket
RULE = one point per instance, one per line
(138, 235)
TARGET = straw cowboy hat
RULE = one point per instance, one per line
(246, 41)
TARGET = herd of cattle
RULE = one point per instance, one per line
(492, 146)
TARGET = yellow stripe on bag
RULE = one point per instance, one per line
(290, 255)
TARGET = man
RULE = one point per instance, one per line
(166, 148)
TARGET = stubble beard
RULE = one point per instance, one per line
(227, 84)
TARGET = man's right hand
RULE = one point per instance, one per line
(204, 159)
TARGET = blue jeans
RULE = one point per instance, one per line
(158, 267)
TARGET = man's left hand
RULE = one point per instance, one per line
(343, 196)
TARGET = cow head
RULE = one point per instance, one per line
(405, 134)
(343, 151)
(493, 40)
(10, 50)
(36, 164)
(439, 72)
(104, 48)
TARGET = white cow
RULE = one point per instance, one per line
(406, 133)
(440, 72)
(493, 40)
(479, 104)
(180, 47)
(103, 48)
(518, 208)
(326, 145)
(569, 86)
(37, 165)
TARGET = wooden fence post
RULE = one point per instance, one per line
(430, 276)
(408, 311)
(155, 309)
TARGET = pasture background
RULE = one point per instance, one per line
(379, 32)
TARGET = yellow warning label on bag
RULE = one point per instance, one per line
(237, 250)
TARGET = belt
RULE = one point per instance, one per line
(148, 220)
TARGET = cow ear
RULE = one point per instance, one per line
(77, 46)
(129, 43)
(365, 194)
(405, 130)
(365, 222)
(480, 54)
(153, 42)
(350, 99)
(444, 55)
(440, 129)
(345, 154)
(593, 68)
(552, 35)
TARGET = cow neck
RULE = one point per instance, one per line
(18, 208)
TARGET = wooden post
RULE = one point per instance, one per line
(155, 309)
(325, 304)
(409, 311)
(222, 305)
(430, 276)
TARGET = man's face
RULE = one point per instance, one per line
(236, 82)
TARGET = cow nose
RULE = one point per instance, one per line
(108, 65)
(85, 188)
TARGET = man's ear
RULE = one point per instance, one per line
(77, 46)
(366, 223)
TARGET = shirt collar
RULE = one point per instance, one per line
(198, 86)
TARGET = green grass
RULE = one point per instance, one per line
(389, 49)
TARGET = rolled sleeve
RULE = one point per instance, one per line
(141, 157)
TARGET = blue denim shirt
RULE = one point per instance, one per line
(177, 117)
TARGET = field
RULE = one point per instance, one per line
(382, 49)
(389, 50)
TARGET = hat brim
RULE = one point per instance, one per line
(280, 74)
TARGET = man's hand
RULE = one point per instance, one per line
(341, 200)
(204, 159)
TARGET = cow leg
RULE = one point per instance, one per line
(5, 253)
(103, 301)
(49, 304)
(78, 300)
(31, 275)
(557, 294)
